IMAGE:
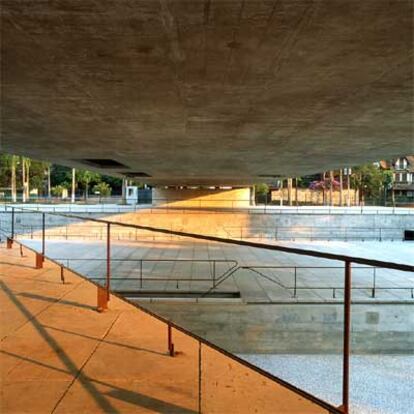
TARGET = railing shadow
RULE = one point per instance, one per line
(134, 348)
(53, 300)
(88, 383)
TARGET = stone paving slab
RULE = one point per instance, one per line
(252, 287)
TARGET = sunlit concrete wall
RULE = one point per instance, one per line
(222, 224)
(242, 225)
(235, 197)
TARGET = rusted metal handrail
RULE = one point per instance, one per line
(204, 342)
(348, 260)
(295, 287)
(273, 247)
(213, 262)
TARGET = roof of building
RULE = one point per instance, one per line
(390, 164)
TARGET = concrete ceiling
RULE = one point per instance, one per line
(208, 91)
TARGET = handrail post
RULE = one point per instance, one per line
(12, 224)
(199, 377)
(103, 291)
(140, 272)
(108, 259)
(294, 287)
(43, 235)
(170, 342)
(40, 257)
(374, 278)
(214, 274)
(11, 238)
(347, 338)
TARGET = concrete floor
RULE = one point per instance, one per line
(254, 286)
(59, 355)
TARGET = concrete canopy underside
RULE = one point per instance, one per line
(208, 92)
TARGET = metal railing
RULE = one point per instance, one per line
(73, 208)
(234, 363)
(314, 233)
(347, 260)
(211, 206)
(244, 206)
(372, 288)
(214, 267)
(68, 231)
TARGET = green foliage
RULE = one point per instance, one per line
(38, 174)
(371, 179)
(85, 178)
(5, 169)
(306, 180)
(57, 191)
(104, 189)
(60, 174)
(114, 182)
(261, 189)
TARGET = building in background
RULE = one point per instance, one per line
(403, 177)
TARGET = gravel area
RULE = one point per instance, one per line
(380, 384)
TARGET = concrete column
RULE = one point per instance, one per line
(296, 192)
(348, 184)
(281, 193)
(331, 179)
(252, 196)
(289, 182)
(124, 185)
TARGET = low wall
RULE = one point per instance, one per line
(236, 197)
(296, 328)
(282, 227)
(236, 225)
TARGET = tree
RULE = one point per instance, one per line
(49, 183)
(261, 189)
(114, 182)
(259, 193)
(58, 190)
(39, 175)
(60, 174)
(8, 164)
(86, 177)
(26, 177)
(104, 189)
(371, 181)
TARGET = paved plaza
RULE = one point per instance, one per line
(59, 355)
(184, 265)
